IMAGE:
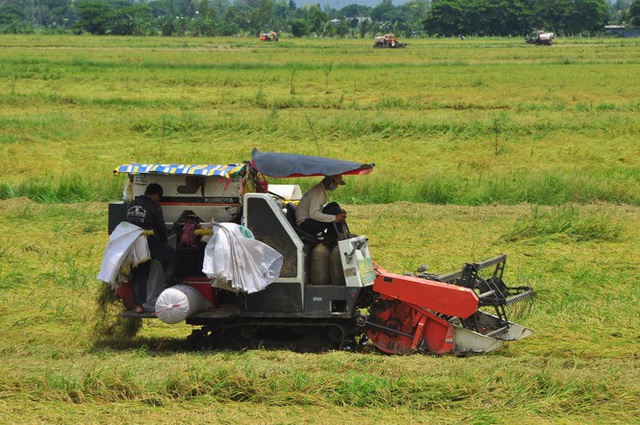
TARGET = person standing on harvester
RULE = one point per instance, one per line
(145, 211)
(313, 216)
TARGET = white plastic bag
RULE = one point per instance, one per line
(238, 263)
(127, 247)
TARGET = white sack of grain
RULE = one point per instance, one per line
(179, 302)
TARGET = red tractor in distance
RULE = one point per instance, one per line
(388, 41)
(269, 36)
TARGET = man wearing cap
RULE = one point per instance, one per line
(145, 211)
(313, 216)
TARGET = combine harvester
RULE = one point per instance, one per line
(389, 41)
(269, 36)
(321, 296)
(542, 38)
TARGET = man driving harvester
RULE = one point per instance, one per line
(313, 216)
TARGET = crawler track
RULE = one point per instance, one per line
(303, 336)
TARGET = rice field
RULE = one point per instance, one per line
(481, 146)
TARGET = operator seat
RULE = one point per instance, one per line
(305, 236)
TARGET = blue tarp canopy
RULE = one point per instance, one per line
(181, 169)
(273, 164)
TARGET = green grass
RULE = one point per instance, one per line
(567, 221)
(579, 365)
(481, 147)
(549, 188)
(219, 90)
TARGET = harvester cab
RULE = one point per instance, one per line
(227, 222)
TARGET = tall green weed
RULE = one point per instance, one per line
(66, 189)
(565, 221)
(549, 188)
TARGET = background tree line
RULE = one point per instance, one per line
(251, 17)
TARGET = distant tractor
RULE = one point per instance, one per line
(542, 38)
(269, 36)
(387, 41)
